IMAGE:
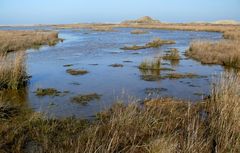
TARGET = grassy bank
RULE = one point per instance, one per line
(13, 71)
(22, 40)
(224, 52)
(163, 125)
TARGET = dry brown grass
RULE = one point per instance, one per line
(163, 125)
(139, 31)
(224, 52)
(155, 43)
(22, 40)
(13, 71)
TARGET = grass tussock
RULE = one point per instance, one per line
(76, 72)
(157, 42)
(13, 71)
(154, 64)
(103, 29)
(116, 65)
(225, 52)
(84, 99)
(22, 40)
(181, 76)
(172, 55)
(162, 125)
(47, 92)
(153, 67)
(139, 31)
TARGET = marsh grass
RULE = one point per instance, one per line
(172, 55)
(7, 111)
(225, 52)
(84, 99)
(116, 65)
(154, 64)
(151, 69)
(13, 71)
(182, 76)
(155, 43)
(102, 29)
(161, 125)
(139, 31)
(76, 72)
(23, 40)
(47, 92)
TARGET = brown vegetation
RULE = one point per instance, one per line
(13, 71)
(84, 99)
(139, 31)
(76, 72)
(116, 65)
(225, 52)
(103, 29)
(172, 55)
(47, 92)
(157, 42)
(22, 40)
(162, 125)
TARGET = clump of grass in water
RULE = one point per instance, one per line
(116, 65)
(154, 77)
(13, 71)
(153, 65)
(157, 42)
(181, 76)
(151, 69)
(84, 99)
(76, 72)
(47, 92)
(67, 65)
(139, 31)
(172, 55)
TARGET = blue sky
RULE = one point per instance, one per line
(76, 11)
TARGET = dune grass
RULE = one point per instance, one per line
(162, 125)
(22, 40)
(13, 71)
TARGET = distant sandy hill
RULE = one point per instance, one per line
(226, 22)
(142, 20)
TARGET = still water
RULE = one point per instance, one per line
(94, 52)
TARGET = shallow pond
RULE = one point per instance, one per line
(94, 52)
